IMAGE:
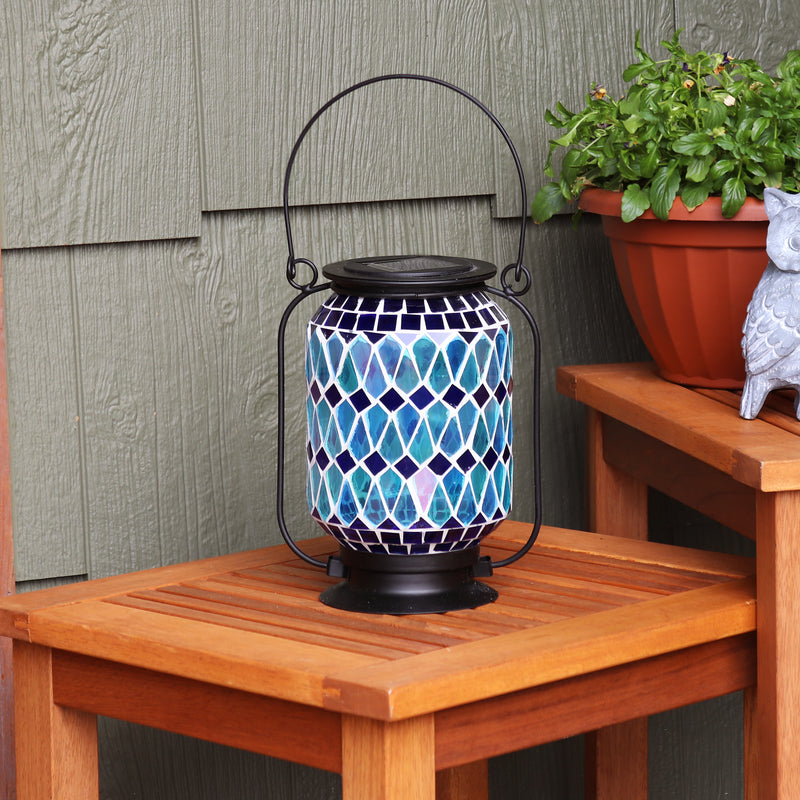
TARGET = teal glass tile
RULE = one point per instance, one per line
(453, 483)
(359, 444)
(439, 379)
(407, 378)
(391, 448)
(483, 350)
(347, 509)
(424, 353)
(334, 478)
(360, 481)
(405, 511)
(456, 353)
(335, 349)
(408, 419)
(451, 442)
(469, 377)
(323, 418)
(440, 509)
(478, 478)
(390, 351)
(391, 484)
(438, 416)
(345, 417)
(480, 439)
(421, 447)
(323, 502)
(489, 506)
(374, 379)
(348, 377)
(493, 373)
(374, 508)
(377, 418)
(467, 509)
(467, 415)
(361, 352)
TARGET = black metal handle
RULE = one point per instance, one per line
(521, 274)
(537, 459)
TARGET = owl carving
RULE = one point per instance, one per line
(771, 341)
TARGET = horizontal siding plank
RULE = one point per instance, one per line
(543, 53)
(267, 67)
(99, 123)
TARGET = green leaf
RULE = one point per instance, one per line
(635, 201)
(697, 169)
(650, 161)
(693, 196)
(549, 200)
(733, 195)
(664, 190)
(632, 124)
(694, 144)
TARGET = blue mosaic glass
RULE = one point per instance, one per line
(409, 421)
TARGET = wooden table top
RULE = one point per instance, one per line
(252, 621)
(763, 453)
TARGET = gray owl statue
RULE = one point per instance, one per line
(771, 341)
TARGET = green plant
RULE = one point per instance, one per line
(689, 126)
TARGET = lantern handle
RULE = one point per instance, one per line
(511, 296)
(521, 274)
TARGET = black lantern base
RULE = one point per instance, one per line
(395, 584)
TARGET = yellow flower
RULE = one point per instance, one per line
(598, 92)
(688, 83)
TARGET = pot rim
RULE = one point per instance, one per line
(609, 203)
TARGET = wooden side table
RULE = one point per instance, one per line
(589, 630)
(692, 445)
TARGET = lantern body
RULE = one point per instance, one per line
(409, 421)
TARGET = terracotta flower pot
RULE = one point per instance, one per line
(687, 282)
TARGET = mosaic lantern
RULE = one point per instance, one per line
(408, 365)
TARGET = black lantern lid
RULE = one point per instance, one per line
(418, 276)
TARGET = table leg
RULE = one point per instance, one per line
(616, 756)
(388, 760)
(617, 502)
(470, 782)
(56, 747)
(778, 612)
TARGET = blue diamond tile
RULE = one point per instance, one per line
(375, 463)
(392, 400)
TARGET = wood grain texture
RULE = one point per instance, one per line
(99, 122)
(56, 747)
(267, 67)
(778, 516)
(388, 761)
(543, 53)
(764, 30)
(44, 414)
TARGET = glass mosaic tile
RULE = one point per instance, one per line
(409, 421)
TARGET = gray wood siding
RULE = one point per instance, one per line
(267, 67)
(148, 140)
(99, 122)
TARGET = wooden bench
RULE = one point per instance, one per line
(589, 631)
